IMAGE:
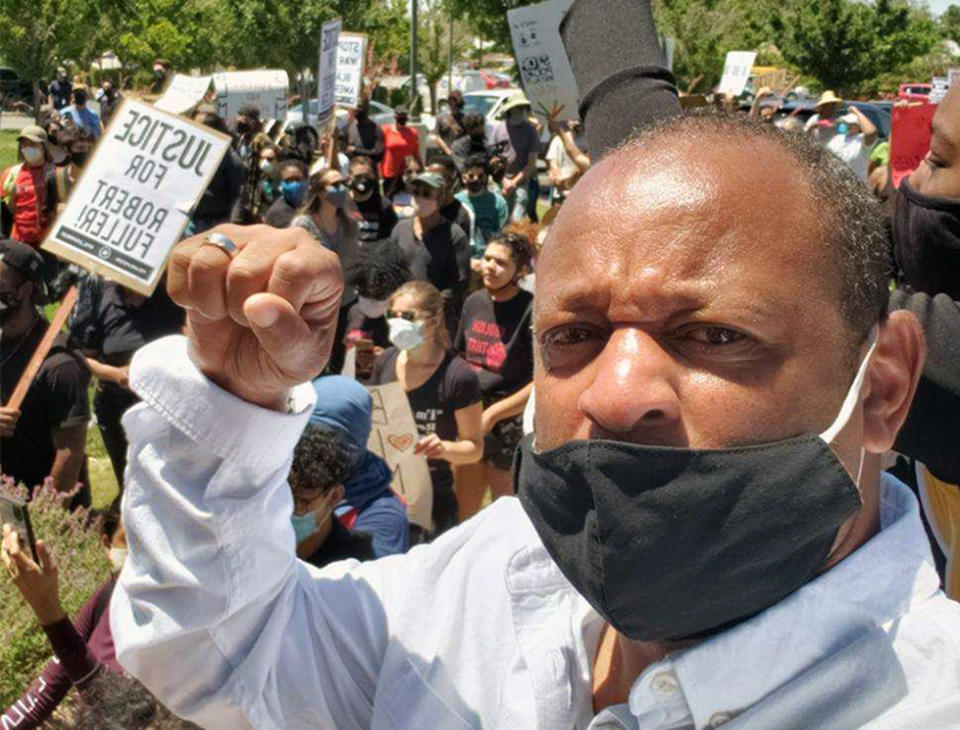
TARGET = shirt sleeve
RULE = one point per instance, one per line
(464, 385)
(39, 701)
(66, 401)
(553, 153)
(386, 522)
(212, 612)
(502, 210)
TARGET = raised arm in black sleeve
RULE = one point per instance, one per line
(615, 56)
(931, 433)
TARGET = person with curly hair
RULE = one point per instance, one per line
(496, 339)
(381, 270)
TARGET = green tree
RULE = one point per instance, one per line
(433, 57)
(949, 23)
(843, 43)
(488, 19)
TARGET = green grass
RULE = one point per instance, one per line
(8, 147)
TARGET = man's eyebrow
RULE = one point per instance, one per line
(938, 131)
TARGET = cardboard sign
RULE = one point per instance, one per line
(736, 72)
(183, 93)
(909, 138)
(544, 67)
(392, 438)
(135, 195)
(266, 90)
(939, 86)
(351, 51)
(327, 75)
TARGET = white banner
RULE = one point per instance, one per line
(265, 89)
(351, 53)
(736, 72)
(544, 67)
(938, 88)
(183, 93)
(327, 70)
(392, 438)
(135, 195)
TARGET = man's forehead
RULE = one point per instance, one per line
(689, 216)
(946, 120)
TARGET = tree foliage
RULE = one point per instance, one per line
(433, 57)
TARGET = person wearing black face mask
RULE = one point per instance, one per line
(364, 136)
(220, 202)
(489, 208)
(61, 179)
(474, 142)
(82, 115)
(329, 217)
(60, 90)
(377, 216)
(703, 536)
(400, 141)
(46, 436)
(109, 98)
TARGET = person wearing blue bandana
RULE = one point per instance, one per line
(344, 408)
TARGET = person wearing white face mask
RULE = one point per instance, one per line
(23, 186)
(430, 243)
(443, 390)
(82, 647)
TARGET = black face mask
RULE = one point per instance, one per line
(10, 304)
(475, 186)
(926, 238)
(401, 120)
(243, 127)
(670, 543)
(363, 185)
(79, 158)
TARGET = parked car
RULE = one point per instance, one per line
(914, 91)
(13, 87)
(875, 112)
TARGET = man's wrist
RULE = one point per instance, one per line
(50, 613)
(278, 400)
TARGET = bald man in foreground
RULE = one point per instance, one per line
(702, 535)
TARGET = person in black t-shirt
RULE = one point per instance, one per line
(110, 325)
(293, 191)
(455, 212)
(364, 136)
(321, 462)
(377, 214)
(443, 391)
(47, 435)
(473, 143)
(431, 243)
(496, 339)
(381, 270)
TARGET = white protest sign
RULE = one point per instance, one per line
(135, 195)
(266, 90)
(327, 73)
(938, 88)
(183, 93)
(736, 72)
(544, 67)
(392, 438)
(351, 49)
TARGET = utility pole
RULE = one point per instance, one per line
(450, 61)
(414, 115)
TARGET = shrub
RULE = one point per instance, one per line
(83, 566)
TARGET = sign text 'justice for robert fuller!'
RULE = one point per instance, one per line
(134, 199)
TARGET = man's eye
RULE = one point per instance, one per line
(570, 346)
(714, 336)
(568, 336)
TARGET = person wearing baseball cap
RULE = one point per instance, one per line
(23, 186)
(430, 243)
(46, 435)
(516, 140)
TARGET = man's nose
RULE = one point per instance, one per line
(631, 385)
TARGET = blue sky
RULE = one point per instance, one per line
(938, 6)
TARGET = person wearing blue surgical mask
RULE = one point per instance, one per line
(292, 188)
(854, 141)
(444, 392)
(321, 462)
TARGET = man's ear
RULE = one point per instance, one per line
(892, 378)
(337, 494)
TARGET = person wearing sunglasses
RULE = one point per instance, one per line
(443, 391)
(325, 216)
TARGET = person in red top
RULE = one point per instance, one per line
(23, 186)
(399, 142)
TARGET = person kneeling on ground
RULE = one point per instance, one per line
(333, 472)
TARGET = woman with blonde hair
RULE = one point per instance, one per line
(443, 391)
(326, 216)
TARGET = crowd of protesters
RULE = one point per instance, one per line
(438, 258)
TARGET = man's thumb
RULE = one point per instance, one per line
(281, 330)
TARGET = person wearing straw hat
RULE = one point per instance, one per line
(23, 186)
(827, 108)
(516, 140)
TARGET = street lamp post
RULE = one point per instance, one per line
(413, 60)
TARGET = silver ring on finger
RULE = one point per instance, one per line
(222, 242)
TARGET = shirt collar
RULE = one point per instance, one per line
(834, 609)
